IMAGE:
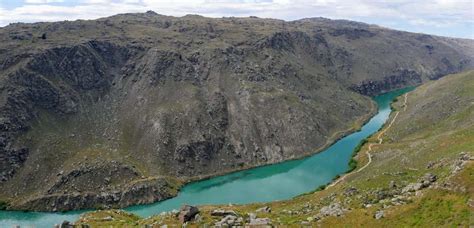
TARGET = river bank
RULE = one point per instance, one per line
(262, 184)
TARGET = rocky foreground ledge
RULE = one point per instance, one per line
(304, 210)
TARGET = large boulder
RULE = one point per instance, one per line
(412, 187)
(429, 177)
(222, 212)
(379, 215)
(265, 209)
(187, 213)
(260, 222)
(334, 209)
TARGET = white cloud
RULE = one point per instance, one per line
(428, 13)
(42, 1)
(96, 1)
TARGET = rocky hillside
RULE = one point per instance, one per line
(422, 175)
(123, 110)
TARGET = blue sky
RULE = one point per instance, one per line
(453, 18)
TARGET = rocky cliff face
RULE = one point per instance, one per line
(122, 110)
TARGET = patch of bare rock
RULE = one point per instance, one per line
(229, 218)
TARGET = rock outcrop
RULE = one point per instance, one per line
(187, 213)
(140, 192)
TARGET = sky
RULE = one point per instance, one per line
(454, 18)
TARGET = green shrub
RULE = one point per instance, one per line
(352, 165)
(3, 205)
(359, 146)
(320, 188)
(353, 162)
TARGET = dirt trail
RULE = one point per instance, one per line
(379, 141)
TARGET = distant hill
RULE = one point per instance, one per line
(123, 110)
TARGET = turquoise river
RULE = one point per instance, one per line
(274, 182)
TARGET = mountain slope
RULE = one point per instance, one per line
(421, 175)
(123, 110)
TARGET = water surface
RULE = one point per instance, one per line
(274, 182)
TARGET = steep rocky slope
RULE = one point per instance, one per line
(122, 110)
(422, 175)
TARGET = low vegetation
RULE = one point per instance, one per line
(353, 162)
(422, 175)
